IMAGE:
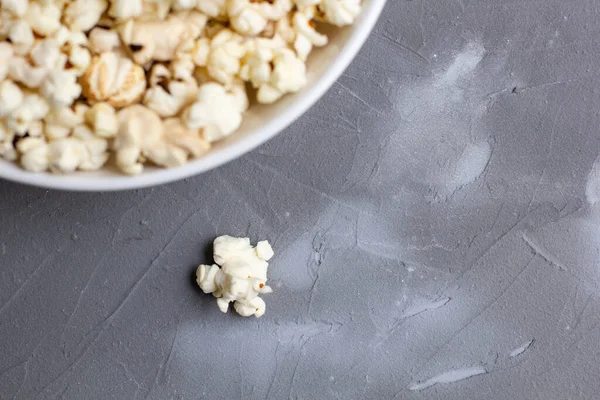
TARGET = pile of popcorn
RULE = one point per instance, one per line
(141, 82)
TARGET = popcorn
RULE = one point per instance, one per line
(137, 125)
(142, 134)
(241, 278)
(83, 15)
(80, 59)
(221, 56)
(5, 133)
(125, 9)
(213, 27)
(114, 79)
(168, 97)
(16, 7)
(339, 12)
(6, 54)
(216, 110)
(81, 151)
(74, 46)
(184, 4)
(304, 4)
(102, 118)
(183, 69)
(65, 155)
(33, 108)
(46, 54)
(20, 71)
(306, 35)
(189, 140)
(257, 65)
(287, 76)
(35, 129)
(7, 150)
(104, 40)
(161, 40)
(11, 98)
(60, 122)
(95, 152)
(44, 19)
(250, 17)
(21, 36)
(264, 250)
(146, 80)
(299, 31)
(212, 8)
(156, 8)
(34, 154)
(61, 88)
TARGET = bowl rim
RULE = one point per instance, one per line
(221, 156)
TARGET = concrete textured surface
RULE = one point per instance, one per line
(436, 221)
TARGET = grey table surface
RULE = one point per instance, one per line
(437, 211)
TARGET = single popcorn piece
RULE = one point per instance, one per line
(250, 17)
(239, 275)
(79, 60)
(168, 96)
(306, 35)
(74, 45)
(299, 31)
(44, 18)
(16, 7)
(125, 9)
(114, 79)
(158, 40)
(65, 155)
(11, 98)
(83, 15)
(22, 37)
(257, 63)
(102, 118)
(34, 154)
(136, 124)
(61, 88)
(287, 76)
(221, 55)
(104, 40)
(217, 110)
(95, 154)
(339, 12)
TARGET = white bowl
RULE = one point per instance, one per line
(260, 124)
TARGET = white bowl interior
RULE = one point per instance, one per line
(260, 123)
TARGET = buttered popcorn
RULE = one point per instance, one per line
(87, 84)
